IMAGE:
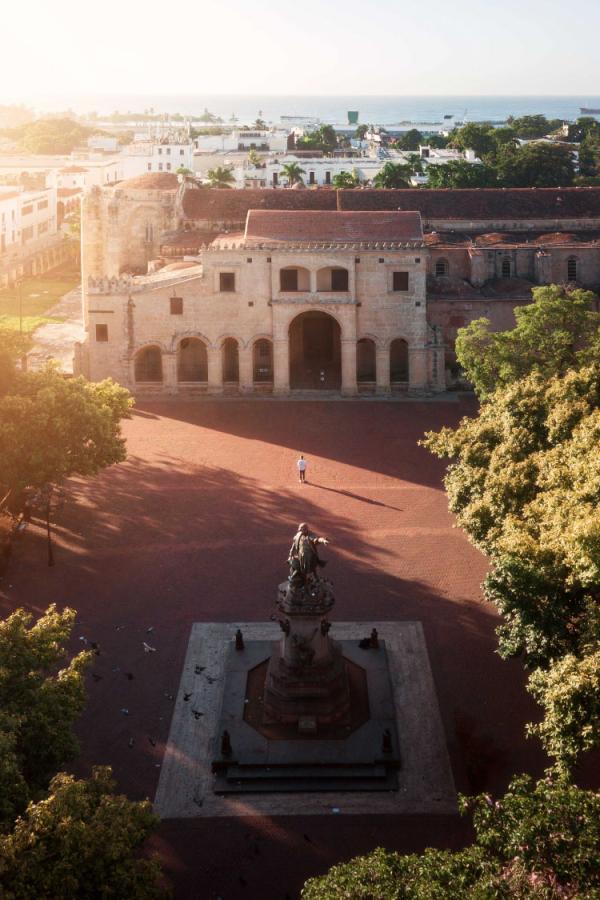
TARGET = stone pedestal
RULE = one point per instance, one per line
(306, 682)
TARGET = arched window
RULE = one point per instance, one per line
(572, 268)
(294, 278)
(441, 267)
(506, 267)
(192, 360)
(231, 364)
(365, 360)
(333, 278)
(262, 361)
(149, 232)
(148, 365)
(398, 361)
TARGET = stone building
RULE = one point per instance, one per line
(191, 290)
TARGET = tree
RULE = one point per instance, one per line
(412, 140)
(81, 841)
(221, 177)
(260, 124)
(393, 175)
(293, 173)
(323, 138)
(253, 157)
(458, 173)
(551, 336)
(13, 346)
(51, 428)
(480, 138)
(360, 132)
(346, 180)
(39, 703)
(183, 170)
(539, 841)
(535, 165)
(532, 127)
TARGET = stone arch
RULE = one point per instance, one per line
(192, 360)
(147, 364)
(294, 278)
(230, 360)
(180, 335)
(366, 360)
(315, 351)
(262, 360)
(333, 278)
(399, 361)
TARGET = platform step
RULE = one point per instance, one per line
(260, 773)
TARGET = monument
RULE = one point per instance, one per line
(307, 712)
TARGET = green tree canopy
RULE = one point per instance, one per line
(393, 175)
(409, 141)
(480, 138)
(557, 331)
(322, 138)
(52, 135)
(82, 841)
(41, 695)
(458, 173)
(539, 841)
(221, 177)
(535, 165)
(535, 126)
(346, 180)
(293, 172)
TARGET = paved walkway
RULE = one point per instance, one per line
(195, 527)
(56, 341)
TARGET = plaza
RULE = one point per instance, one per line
(194, 528)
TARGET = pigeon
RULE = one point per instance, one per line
(84, 639)
(169, 696)
(186, 697)
(128, 676)
(130, 742)
(150, 630)
(96, 677)
(125, 711)
(148, 648)
(196, 714)
(199, 669)
(210, 679)
(152, 741)
(307, 839)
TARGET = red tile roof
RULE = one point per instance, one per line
(488, 203)
(302, 226)
(215, 205)
(151, 181)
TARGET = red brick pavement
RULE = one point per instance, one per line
(196, 526)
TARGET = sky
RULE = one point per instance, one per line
(298, 47)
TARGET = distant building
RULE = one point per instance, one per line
(190, 290)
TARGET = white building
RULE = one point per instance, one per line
(30, 239)
(239, 140)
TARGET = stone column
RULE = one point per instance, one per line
(245, 362)
(215, 370)
(417, 368)
(281, 366)
(349, 387)
(169, 364)
(382, 368)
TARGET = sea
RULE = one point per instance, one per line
(380, 110)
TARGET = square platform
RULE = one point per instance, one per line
(425, 783)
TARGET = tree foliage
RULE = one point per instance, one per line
(40, 697)
(458, 173)
(322, 138)
(221, 177)
(51, 135)
(81, 841)
(52, 427)
(535, 165)
(393, 175)
(293, 172)
(556, 332)
(539, 841)
(346, 180)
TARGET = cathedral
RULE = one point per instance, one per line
(191, 290)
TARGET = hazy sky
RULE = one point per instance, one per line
(300, 47)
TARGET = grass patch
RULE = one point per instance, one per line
(39, 294)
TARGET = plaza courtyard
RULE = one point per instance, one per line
(196, 527)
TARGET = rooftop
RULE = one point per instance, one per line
(151, 181)
(303, 226)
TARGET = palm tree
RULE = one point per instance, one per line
(346, 180)
(393, 176)
(293, 173)
(221, 177)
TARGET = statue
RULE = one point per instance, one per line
(304, 557)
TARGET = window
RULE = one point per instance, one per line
(441, 267)
(572, 269)
(227, 282)
(43, 204)
(400, 281)
(149, 167)
(311, 177)
(160, 167)
(327, 177)
(288, 279)
(160, 151)
(168, 167)
(168, 151)
(181, 152)
(149, 233)
(506, 268)
(275, 179)
(339, 279)
(101, 334)
(176, 306)
(148, 365)
(27, 210)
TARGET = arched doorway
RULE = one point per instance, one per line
(148, 365)
(315, 352)
(231, 363)
(192, 360)
(365, 361)
(262, 361)
(399, 361)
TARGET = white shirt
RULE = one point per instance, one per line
(301, 465)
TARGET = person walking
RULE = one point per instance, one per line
(302, 469)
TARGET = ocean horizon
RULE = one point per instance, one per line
(372, 109)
